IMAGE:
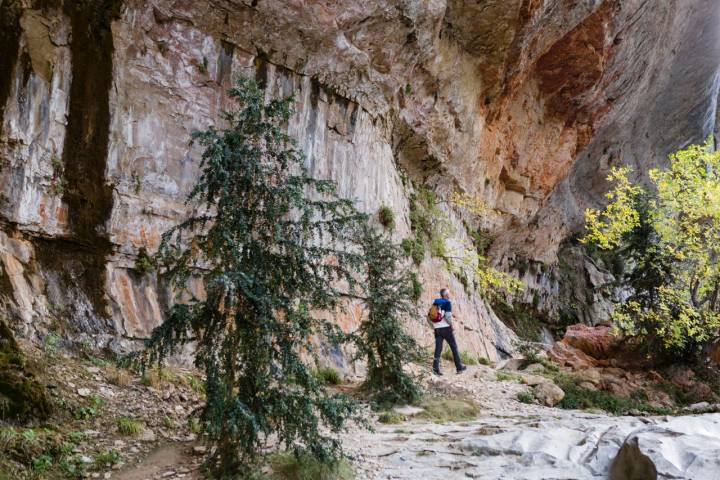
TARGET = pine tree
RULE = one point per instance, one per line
(381, 338)
(270, 246)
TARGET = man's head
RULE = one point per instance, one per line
(445, 292)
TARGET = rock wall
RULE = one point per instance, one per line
(522, 103)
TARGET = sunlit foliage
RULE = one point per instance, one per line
(669, 237)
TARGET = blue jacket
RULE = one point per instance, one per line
(443, 304)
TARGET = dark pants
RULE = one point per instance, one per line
(445, 333)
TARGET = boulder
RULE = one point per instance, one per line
(569, 356)
(632, 464)
(589, 375)
(512, 364)
(594, 341)
(548, 394)
(535, 368)
(681, 447)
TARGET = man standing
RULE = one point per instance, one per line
(444, 331)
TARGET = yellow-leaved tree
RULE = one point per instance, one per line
(669, 238)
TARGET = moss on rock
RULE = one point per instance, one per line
(21, 396)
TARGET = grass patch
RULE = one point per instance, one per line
(194, 425)
(287, 466)
(442, 409)
(391, 417)
(484, 361)
(118, 376)
(465, 357)
(507, 377)
(525, 397)
(151, 379)
(128, 426)
(195, 384)
(328, 376)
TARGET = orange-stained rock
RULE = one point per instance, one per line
(594, 341)
(715, 353)
(568, 356)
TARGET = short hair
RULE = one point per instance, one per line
(443, 291)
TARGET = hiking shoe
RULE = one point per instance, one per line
(437, 372)
(462, 369)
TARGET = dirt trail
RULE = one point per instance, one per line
(170, 461)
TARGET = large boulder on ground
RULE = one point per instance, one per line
(681, 447)
(569, 356)
(594, 341)
(548, 394)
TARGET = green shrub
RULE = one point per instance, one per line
(143, 262)
(42, 463)
(108, 458)
(196, 384)
(128, 427)
(328, 376)
(391, 417)
(417, 287)
(51, 343)
(577, 397)
(76, 437)
(484, 361)
(387, 217)
(414, 248)
(526, 397)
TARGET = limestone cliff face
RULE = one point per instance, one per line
(523, 103)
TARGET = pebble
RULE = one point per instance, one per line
(84, 392)
(147, 435)
(199, 449)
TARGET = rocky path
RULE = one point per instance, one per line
(512, 440)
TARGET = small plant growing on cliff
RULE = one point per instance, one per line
(263, 255)
(668, 237)
(203, 66)
(59, 183)
(387, 217)
(144, 263)
(382, 341)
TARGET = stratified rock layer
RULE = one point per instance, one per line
(525, 104)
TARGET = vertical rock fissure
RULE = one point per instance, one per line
(87, 194)
(9, 47)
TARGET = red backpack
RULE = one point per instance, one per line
(434, 314)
